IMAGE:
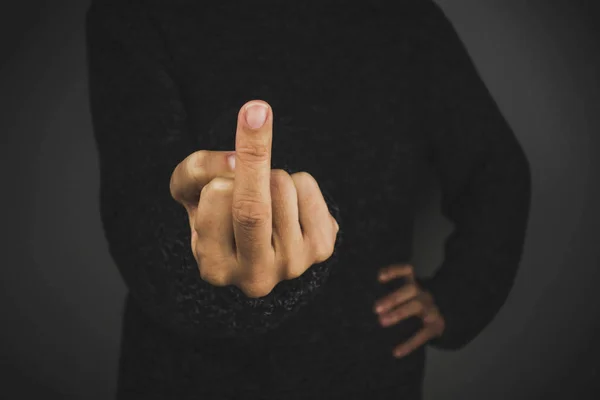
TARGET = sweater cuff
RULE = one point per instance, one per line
(456, 303)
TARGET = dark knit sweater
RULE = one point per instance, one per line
(366, 96)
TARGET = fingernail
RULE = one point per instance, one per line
(231, 161)
(378, 309)
(256, 115)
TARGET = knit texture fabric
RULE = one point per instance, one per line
(366, 97)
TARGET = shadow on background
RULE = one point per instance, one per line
(62, 296)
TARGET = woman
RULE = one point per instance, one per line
(362, 96)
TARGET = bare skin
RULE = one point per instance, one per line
(251, 226)
(408, 301)
(254, 227)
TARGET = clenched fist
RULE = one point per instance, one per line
(253, 227)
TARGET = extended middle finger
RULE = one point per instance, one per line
(195, 172)
(251, 207)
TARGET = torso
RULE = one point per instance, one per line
(350, 74)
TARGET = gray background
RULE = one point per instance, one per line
(61, 293)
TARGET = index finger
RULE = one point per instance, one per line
(252, 213)
(195, 171)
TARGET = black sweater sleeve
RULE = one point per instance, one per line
(139, 124)
(485, 182)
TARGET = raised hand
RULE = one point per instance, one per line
(252, 226)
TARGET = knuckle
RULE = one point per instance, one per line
(172, 186)
(251, 213)
(304, 177)
(253, 152)
(294, 270)
(308, 186)
(328, 246)
(258, 283)
(202, 251)
(175, 182)
(303, 180)
(199, 159)
(321, 251)
(196, 164)
(214, 275)
(280, 179)
(279, 175)
(318, 256)
(213, 269)
(220, 185)
(205, 190)
(336, 226)
(254, 291)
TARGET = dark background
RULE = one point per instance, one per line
(62, 296)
